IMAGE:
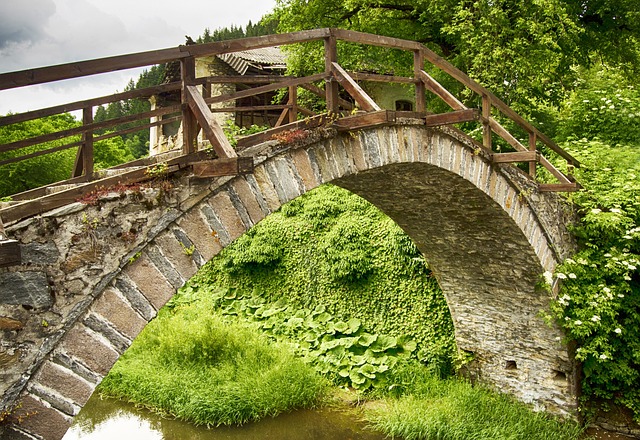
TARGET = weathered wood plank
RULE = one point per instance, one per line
(486, 122)
(253, 108)
(366, 120)
(85, 68)
(420, 86)
(375, 40)
(79, 105)
(223, 167)
(504, 134)
(519, 156)
(553, 170)
(559, 187)
(364, 101)
(228, 46)
(454, 117)
(373, 77)
(210, 126)
(84, 128)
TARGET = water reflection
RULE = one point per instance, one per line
(102, 419)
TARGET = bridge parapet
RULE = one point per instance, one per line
(196, 113)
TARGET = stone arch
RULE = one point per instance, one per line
(487, 232)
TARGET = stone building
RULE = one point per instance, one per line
(265, 61)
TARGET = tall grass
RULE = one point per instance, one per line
(207, 370)
(429, 408)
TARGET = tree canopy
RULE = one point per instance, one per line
(523, 51)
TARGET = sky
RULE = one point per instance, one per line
(36, 33)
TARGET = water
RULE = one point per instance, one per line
(103, 419)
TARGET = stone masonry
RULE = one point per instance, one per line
(93, 275)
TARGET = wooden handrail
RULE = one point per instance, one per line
(196, 113)
(79, 105)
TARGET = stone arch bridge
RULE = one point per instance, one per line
(94, 274)
(97, 262)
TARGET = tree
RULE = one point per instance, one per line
(523, 51)
(42, 170)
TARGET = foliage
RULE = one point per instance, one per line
(233, 32)
(427, 407)
(233, 132)
(309, 254)
(343, 351)
(604, 106)
(211, 371)
(599, 302)
(38, 171)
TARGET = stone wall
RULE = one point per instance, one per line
(94, 275)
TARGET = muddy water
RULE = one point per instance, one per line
(103, 419)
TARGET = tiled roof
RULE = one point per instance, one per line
(266, 58)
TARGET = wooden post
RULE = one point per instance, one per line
(486, 122)
(532, 147)
(189, 123)
(293, 102)
(331, 86)
(87, 137)
(418, 65)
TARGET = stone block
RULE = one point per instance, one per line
(266, 188)
(65, 382)
(40, 253)
(200, 234)
(177, 254)
(249, 199)
(150, 281)
(25, 288)
(42, 420)
(228, 215)
(88, 348)
(119, 313)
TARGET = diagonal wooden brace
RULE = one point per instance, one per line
(211, 128)
(352, 87)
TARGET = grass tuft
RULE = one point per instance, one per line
(210, 371)
(434, 409)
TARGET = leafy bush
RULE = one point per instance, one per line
(599, 302)
(333, 249)
(344, 351)
(604, 106)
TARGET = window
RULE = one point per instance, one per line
(402, 105)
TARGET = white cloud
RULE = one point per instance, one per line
(23, 21)
(36, 33)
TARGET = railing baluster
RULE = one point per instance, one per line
(84, 158)
(421, 90)
(486, 121)
(189, 123)
(533, 139)
(293, 102)
(331, 85)
(87, 119)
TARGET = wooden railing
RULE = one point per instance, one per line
(195, 112)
